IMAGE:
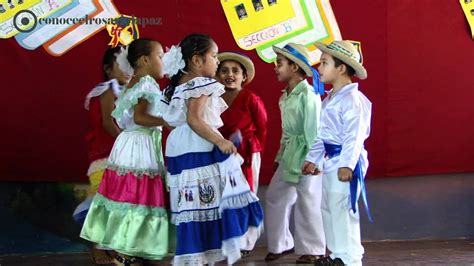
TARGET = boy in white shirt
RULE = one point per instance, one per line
(339, 149)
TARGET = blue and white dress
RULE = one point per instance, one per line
(211, 202)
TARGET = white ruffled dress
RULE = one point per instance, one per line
(211, 202)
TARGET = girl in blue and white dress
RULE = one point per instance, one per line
(211, 202)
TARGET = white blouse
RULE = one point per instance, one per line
(176, 110)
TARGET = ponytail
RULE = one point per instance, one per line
(169, 91)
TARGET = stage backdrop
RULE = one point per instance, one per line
(418, 54)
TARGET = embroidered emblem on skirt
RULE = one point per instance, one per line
(207, 193)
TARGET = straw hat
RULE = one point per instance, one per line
(243, 59)
(347, 53)
(301, 49)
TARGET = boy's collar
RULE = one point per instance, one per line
(298, 88)
(344, 90)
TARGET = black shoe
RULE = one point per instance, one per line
(274, 256)
(126, 261)
(327, 261)
(308, 259)
(245, 253)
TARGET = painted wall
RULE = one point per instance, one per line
(418, 55)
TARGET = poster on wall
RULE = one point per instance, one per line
(260, 24)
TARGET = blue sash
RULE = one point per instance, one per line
(333, 150)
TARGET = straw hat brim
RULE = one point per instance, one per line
(360, 71)
(299, 62)
(245, 61)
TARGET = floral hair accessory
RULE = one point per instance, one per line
(122, 61)
(173, 61)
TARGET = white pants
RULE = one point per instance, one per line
(306, 196)
(256, 163)
(250, 238)
(341, 224)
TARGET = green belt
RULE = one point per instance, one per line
(156, 139)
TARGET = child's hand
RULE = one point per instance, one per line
(309, 168)
(344, 174)
(226, 146)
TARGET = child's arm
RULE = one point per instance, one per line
(198, 125)
(356, 126)
(141, 117)
(282, 144)
(315, 155)
(107, 105)
(279, 154)
(259, 118)
(312, 109)
(316, 152)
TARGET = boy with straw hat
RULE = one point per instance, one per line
(300, 106)
(339, 149)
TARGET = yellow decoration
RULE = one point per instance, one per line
(22, 15)
(124, 30)
(245, 19)
(468, 8)
(10, 12)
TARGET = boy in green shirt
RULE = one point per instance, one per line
(300, 110)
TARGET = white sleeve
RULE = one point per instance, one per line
(356, 127)
(316, 153)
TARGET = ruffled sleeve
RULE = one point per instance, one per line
(147, 89)
(176, 110)
(195, 88)
(100, 89)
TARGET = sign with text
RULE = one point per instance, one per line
(260, 24)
